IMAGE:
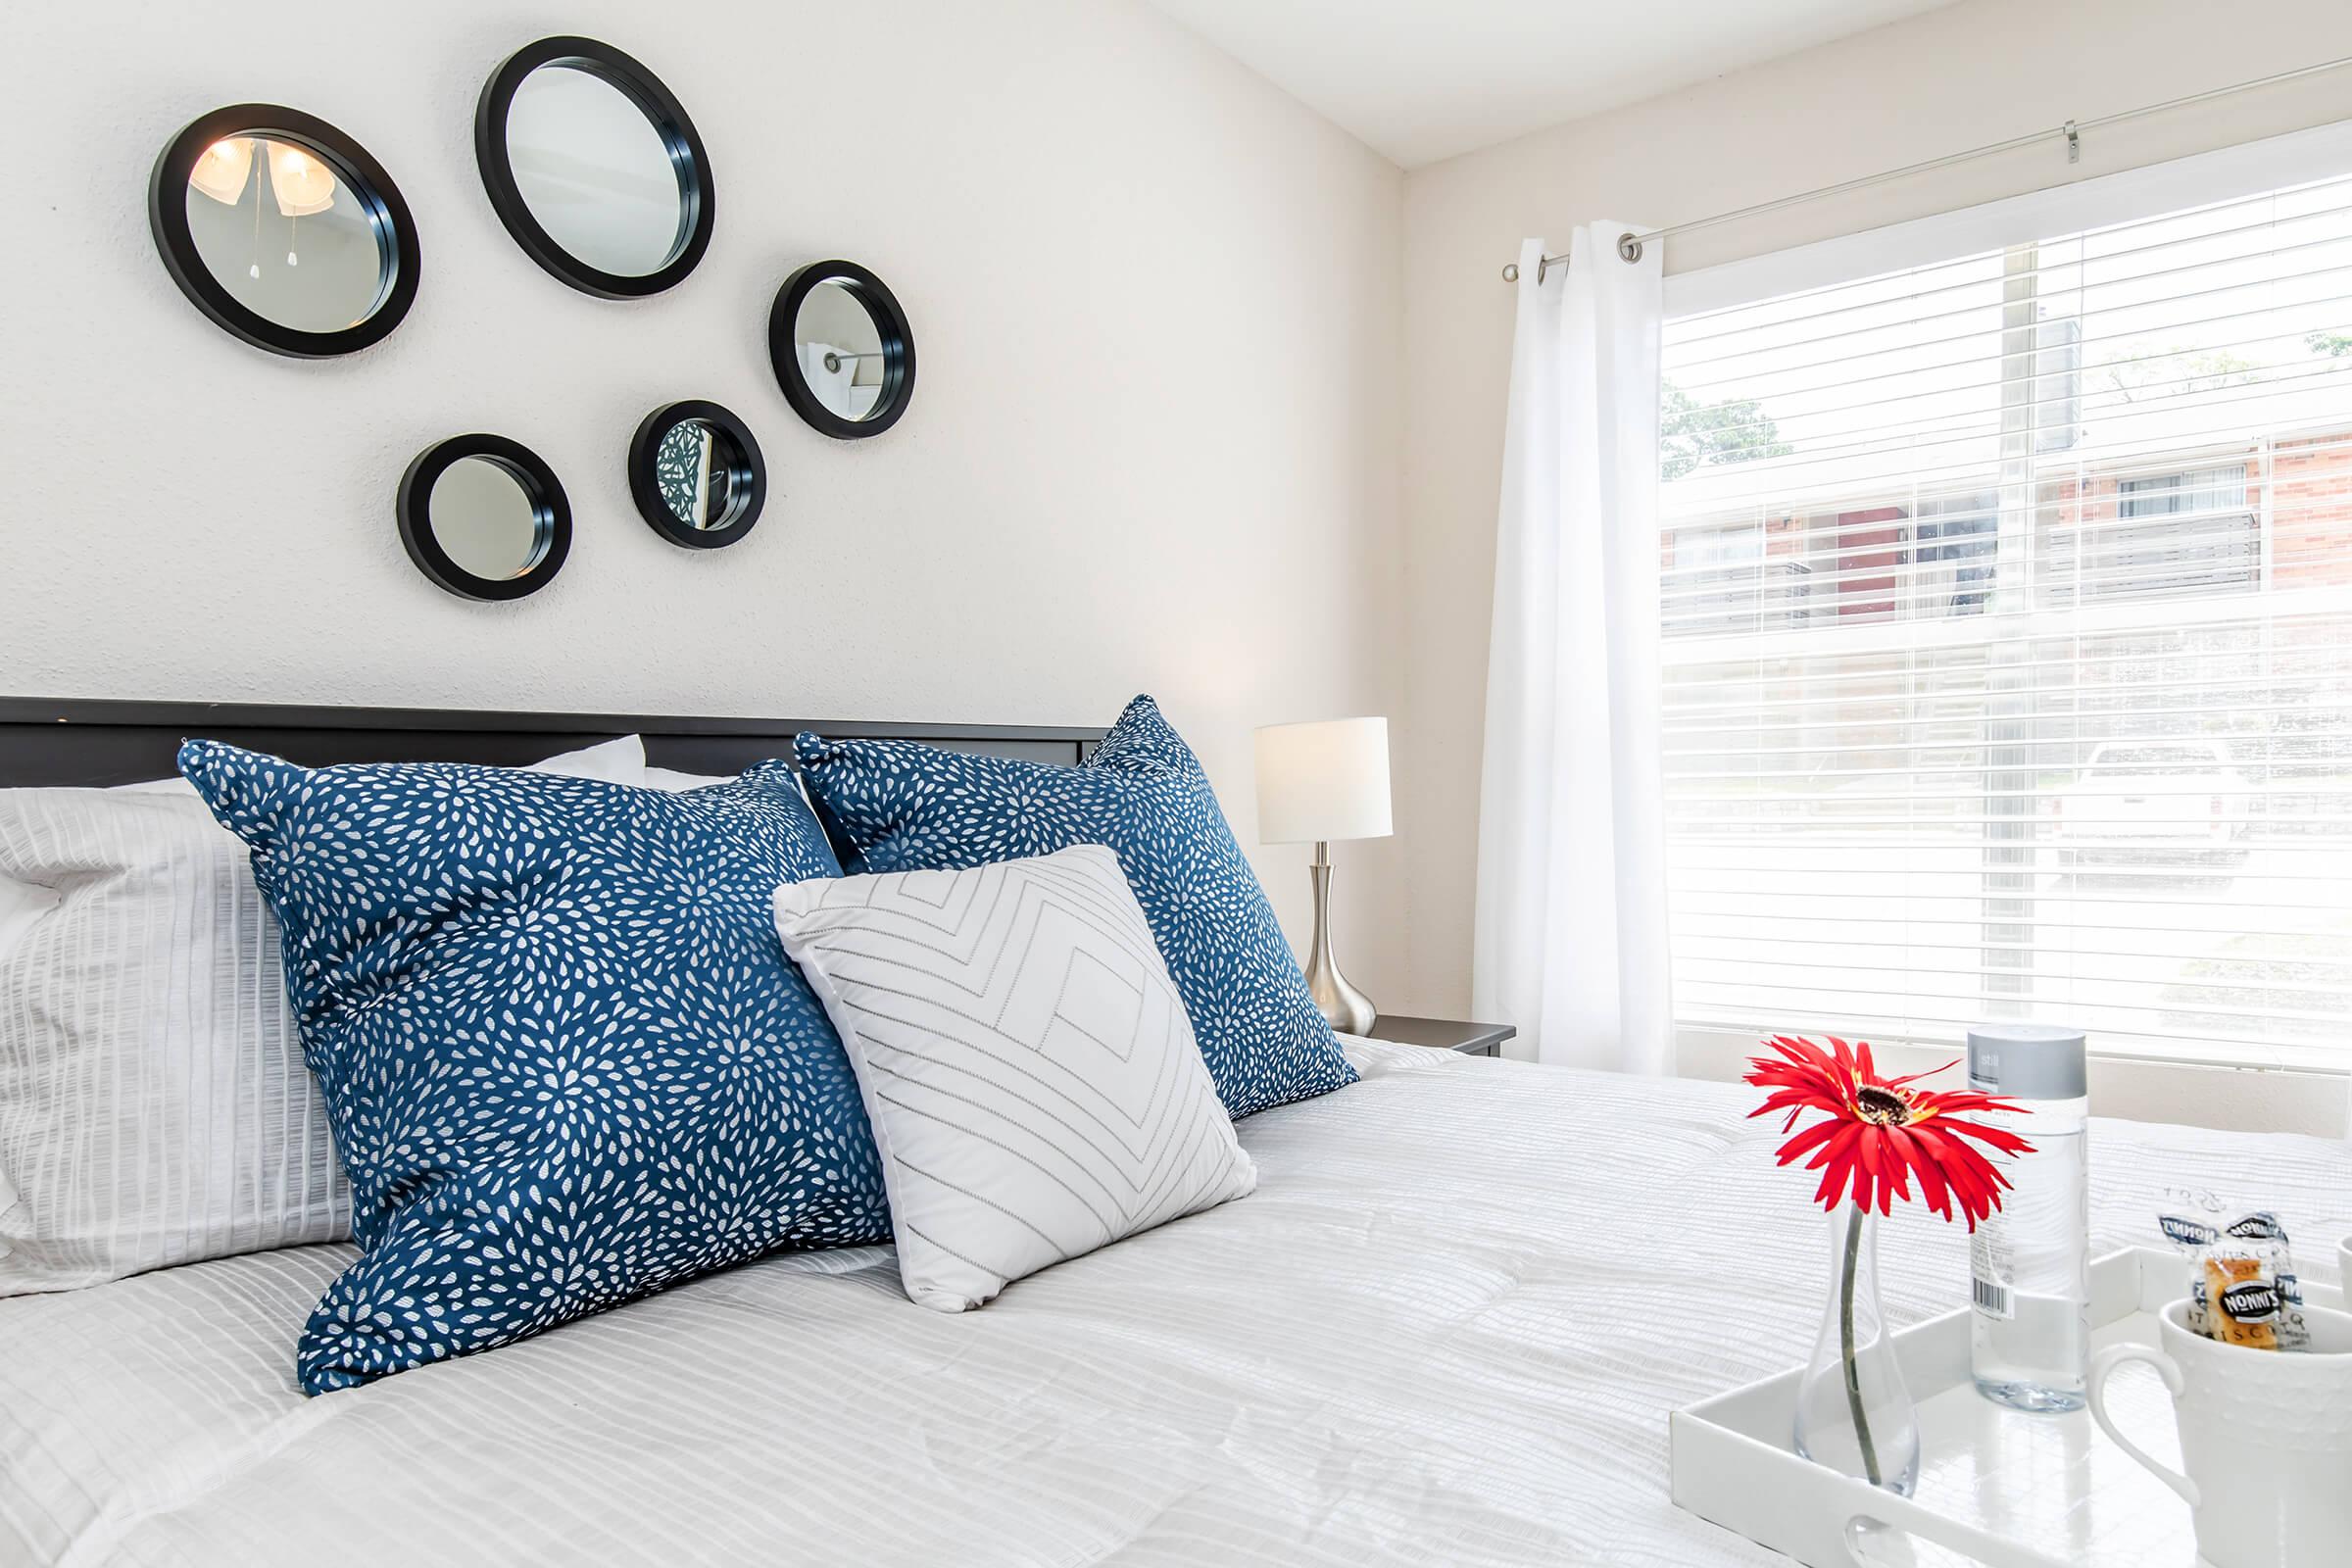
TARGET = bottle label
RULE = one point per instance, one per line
(1991, 1271)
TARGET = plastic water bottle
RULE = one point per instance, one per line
(2030, 1334)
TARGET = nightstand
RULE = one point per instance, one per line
(1444, 1034)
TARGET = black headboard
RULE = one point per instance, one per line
(86, 740)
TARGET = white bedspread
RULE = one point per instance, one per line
(1446, 1329)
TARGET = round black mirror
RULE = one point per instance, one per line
(283, 230)
(697, 474)
(484, 516)
(595, 168)
(842, 350)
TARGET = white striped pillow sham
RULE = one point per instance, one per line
(154, 1105)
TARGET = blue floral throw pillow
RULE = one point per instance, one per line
(564, 1056)
(900, 806)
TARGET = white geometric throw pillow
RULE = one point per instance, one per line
(1027, 1065)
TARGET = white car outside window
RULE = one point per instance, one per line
(2165, 791)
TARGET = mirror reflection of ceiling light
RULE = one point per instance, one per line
(299, 183)
(302, 183)
(223, 171)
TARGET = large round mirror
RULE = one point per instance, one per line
(697, 475)
(594, 168)
(842, 350)
(484, 516)
(283, 230)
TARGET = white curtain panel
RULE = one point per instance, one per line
(1571, 935)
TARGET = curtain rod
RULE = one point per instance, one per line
(1629, 244)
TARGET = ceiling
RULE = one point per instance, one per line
(1424, 80)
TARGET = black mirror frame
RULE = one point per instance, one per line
(890, 324)
(747, 477)
(367, 179)
(669, 121)
(413, 504)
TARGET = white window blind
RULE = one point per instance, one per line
(2008, 642)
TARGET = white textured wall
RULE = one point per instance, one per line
(1965, 74)
(1153, 444)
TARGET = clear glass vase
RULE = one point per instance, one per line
(1852, 1411)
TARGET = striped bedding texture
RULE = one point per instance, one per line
(1447, 1328)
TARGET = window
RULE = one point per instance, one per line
(2199, 536)
(2008, 642)
(2173, 494)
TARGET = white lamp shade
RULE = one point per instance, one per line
(301, 185)
(1324, 780)
(224, 169)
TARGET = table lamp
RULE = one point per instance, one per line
(1318, 782)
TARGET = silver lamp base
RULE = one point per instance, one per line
(1342, 1007)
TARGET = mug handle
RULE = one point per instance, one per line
(2104, 1363)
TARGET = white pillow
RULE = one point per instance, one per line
(154, 1105)
(670, 780)
(20, 906)
(615, 762)
(1027, 1065)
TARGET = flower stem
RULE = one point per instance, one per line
(1855, 1220)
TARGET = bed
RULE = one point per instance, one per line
(1447, 1328)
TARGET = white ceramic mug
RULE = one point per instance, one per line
(2265, 1437)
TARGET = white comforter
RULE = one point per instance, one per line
(1446, 1329)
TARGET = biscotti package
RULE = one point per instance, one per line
(2243, 1289)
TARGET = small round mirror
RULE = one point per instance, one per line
(842, 350)
(487, 522)
(283, 230)
(484, 516)
(695, 467)
(594, 168)
(697, 474)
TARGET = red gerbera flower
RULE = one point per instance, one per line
(1879, 1132)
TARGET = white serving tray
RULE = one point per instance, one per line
(1996, 1487)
